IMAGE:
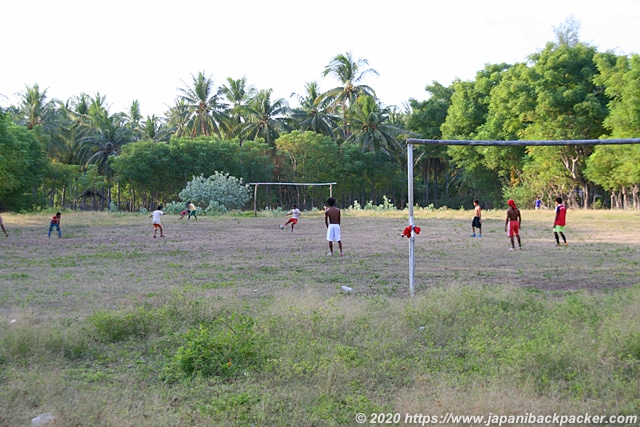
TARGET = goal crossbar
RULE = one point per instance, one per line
(515, 143)
(523, 143)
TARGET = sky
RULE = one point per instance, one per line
(146, 50)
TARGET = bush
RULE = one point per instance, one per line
(218, 190)
(223, 348)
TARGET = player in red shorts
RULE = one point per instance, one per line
(513, 222)
(295, 215)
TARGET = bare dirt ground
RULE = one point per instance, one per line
(111, 260)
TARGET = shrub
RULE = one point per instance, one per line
(220, 188)
(224, 348)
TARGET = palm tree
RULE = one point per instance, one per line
(349, 73)
(238, 94)
(155, 129)
(35, 110)
(266, 119)
(371, 129)
(200, 107)
(104, 140)
(313, 113)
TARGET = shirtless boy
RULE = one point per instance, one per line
(332, 221)
(477, 219)
(513, 222)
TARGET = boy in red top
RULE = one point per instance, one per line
(513, 221)
(55, 222)
(560, 221)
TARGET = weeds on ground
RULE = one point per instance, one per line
(318, 361)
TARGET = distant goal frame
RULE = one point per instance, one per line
(410, 142)
(309, 184)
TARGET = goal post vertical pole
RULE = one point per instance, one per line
(255, 200)
(410, 202)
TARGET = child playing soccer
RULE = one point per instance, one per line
(477, 219)
(156, 215)
(295, 214)
(513, 221)
(191, 210)
(559, 222)
(55, 222)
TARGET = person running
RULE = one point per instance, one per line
(560, 221)
(157, 225)
(192, 211)
(477, 220)
(2, 225)
(538, 203)
(295, 214)
(332, 221)
(55, 222)
(513, 222)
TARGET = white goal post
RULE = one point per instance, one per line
(471, 143)
(256, 184)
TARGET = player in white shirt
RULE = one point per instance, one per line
(295, 214)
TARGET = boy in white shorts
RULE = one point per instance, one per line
(332, 221)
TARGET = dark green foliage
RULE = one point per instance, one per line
(22, 164)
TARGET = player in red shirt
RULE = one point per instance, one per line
(560, 221)
(55, 222)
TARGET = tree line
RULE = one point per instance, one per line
(78, 154)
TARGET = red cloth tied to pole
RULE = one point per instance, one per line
(407, 231)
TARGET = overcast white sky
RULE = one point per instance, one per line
(147, 49)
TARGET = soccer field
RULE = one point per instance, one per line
(106, 260)
(231, 321)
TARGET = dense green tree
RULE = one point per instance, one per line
(621, 78)
(145, 167)
(569, 105)
(470, 102)
(306, 157)
(617, 170)
(23, 164)
(426, 118)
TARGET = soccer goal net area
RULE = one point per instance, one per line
(474, 143)
(285, 194)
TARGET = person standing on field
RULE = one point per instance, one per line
(477, 220)
(55, 222)
(157, 225)
(538, 203)
(513, 222)
(332, 221)
(560, 221)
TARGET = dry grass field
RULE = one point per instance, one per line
(109, 263)
(107, 260)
